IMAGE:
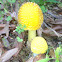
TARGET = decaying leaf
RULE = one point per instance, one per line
(6, 56)
(6, 42)
(51, 53)
(52, 31)
(0, 52)
(57, 21)
(39, 57)
(5, 30)
(30, 59)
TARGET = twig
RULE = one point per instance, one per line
(3, 25)
(58, 17)
(59, 35)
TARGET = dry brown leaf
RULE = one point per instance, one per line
(57, 28)
(57, 21)
(30, 59)
(6, 56)
(39, 57)
(59, 12)
(0, 52)
(6, 42)
(5, 30)
(51, 53)
(3, 25)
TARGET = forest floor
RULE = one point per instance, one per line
(51, 30)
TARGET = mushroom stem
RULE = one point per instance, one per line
(31, 35)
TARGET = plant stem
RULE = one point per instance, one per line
(31, 35)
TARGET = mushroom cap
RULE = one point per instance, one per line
(30, 15)
(39, 45)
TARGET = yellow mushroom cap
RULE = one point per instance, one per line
(30, 15)
(39, 45)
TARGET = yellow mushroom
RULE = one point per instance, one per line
(39, 45)
(31, 16)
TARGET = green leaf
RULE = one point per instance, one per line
(0, 6)
(49, 49)
(53, 1)
(22, 0)
(57, 51)
(1, 13)
(43, 9)
(24, 26)
(20, 28)
(37, 1)
(11, 1)
(45, 60)
(32, 1)
(60, 5)
(1, 1)
(40, 2)
(56, 60)
(47, 56)
(19, 32)
(1, 18)
(5, 10)
(19, 40)
(8, 18)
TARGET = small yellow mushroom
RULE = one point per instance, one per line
(39, 45)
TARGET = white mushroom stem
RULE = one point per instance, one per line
(31, 35)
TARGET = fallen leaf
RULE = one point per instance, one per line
(5, 30)
(0, 52)
(51, 53)
(6, 42)
(39, 57)
(6, 56)
(30, 59)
